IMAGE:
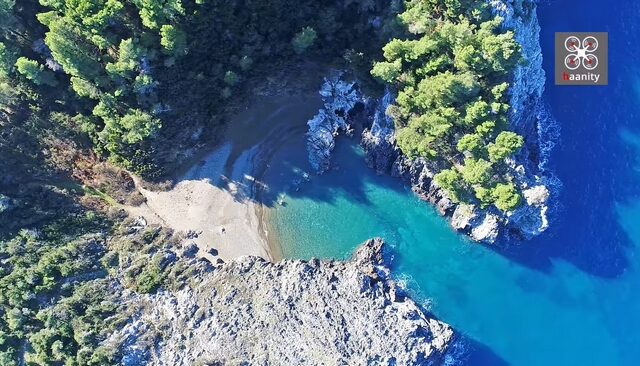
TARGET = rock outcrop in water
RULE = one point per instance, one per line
(379, 140)
(528, 118)
(253, 312)
(339, 97)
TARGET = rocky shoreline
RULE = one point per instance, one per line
(528, 167)
(251, 311)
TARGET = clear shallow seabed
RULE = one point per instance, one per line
(569, 297)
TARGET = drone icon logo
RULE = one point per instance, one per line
(581, 53)
(581, 58)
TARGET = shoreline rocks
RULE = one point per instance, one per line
(339, 98)
(379, 140)
(250, 311)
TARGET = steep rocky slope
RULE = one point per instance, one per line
(250, 311)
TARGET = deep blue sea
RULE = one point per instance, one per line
(569, 297)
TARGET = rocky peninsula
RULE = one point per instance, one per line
(251, 311)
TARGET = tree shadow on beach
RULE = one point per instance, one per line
(288, 174)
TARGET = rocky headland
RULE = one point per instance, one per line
(528, 117)
(254, 312)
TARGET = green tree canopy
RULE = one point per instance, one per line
(35, 72)
(506, 197)
(94, 14)
(452, 79)
(476, 171)
(449, 180)
(387, 71)
(173, 40)
(84, 88)
(128, 61)
(137, 126)
(472, 143)
(70, 47)
(154, 13)
(506, 144)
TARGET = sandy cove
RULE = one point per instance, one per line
(218, 198)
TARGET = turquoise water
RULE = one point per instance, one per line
(569, 297)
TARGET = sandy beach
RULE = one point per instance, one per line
(218, 197)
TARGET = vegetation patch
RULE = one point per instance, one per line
(146, 80)
(452, 71)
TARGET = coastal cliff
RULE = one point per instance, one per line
(250, 311)
(527, 117)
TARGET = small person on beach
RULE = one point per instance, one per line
(223, 230)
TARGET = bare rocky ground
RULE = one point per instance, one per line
(253, 312)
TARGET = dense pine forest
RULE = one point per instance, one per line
(138, 76)
(93, 89)
(452, 106)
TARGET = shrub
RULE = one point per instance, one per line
(231, 78)
(303, 40)
(506, 197)
(35, 72)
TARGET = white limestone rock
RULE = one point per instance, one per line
(253, 312)
(530, 219)
(487, 229)
(463, 216)
(536, 196)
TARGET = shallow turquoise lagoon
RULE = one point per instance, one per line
(517, 314)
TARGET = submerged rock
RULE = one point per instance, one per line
(339, 98)
(6, 203)
(254, 312)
